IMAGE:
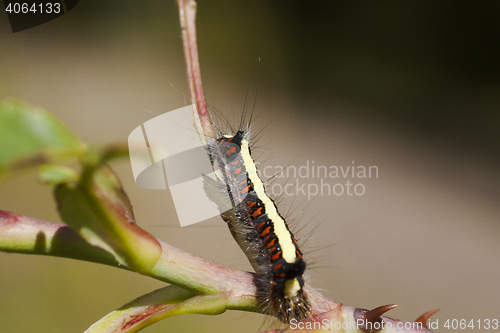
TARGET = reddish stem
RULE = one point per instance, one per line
(187, 13)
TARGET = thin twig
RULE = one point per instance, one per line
(187, 14)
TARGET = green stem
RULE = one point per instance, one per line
(22, 234)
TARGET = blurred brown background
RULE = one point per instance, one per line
(411, 87)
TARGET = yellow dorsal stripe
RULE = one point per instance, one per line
(280, 229)
(292, 288)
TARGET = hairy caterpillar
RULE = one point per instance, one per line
(260, 230)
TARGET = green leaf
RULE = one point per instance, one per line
(99, 210)
(157, 305)
(31, 136)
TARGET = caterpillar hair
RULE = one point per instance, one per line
(260, 230)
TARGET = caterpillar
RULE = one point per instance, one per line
(261, 231)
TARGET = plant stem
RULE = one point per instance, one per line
(187, 14)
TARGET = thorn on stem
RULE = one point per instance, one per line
(425, 317)
(371, 320)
